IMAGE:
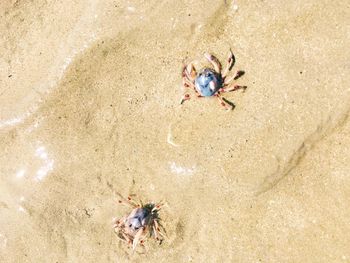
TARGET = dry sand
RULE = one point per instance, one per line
(89, 95)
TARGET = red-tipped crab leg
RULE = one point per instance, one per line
(238, 74)
(188, 76)
(190, 72)
(214, 61)
(137, 237)
(185, 97)
(230, 61)
(157, 207)
(119, 222)
(233, 88)
(155, 232)
(128, 202)
(157, 228)
(223, 103)
(127, 239)
(188, 84)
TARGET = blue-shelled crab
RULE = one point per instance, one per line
(211, 82)
(142, 220)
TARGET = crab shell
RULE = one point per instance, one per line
(139, 217)
(208, 82)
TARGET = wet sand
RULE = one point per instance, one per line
(89, 96)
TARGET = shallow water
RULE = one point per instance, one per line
(90, 96)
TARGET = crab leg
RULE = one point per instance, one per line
(230, 61)
(222, 102)
(119, 230)
(238, 74)
(214, 61)
(126, 239)
(190, 72)
(157, 228)
(160, 226)
(128, 202)
(157, 207)
(233, 88)
(188, 84)
(184, 98)
(188, 76)
(137, 238)
(155, 232)
(119, 223)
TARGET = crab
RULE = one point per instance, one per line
(142, 220)
(211, 82)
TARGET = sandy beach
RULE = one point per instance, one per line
(90, 108)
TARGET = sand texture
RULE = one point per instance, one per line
(89, 108)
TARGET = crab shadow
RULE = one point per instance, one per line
(229, 103)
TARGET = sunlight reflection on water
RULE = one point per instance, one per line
(47, 166)
(180, 170)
